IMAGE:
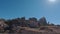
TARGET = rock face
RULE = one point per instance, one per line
(42, 21)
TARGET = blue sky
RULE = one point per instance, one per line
(31, 8)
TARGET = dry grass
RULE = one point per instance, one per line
(56, 30)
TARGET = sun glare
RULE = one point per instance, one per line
(52, 0)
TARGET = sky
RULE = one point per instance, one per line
(31, 8)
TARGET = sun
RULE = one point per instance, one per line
(52, 0)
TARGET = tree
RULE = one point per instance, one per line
(52, 24)
(33, 19)
(42, 21)
(23, 18)
(48, 23)
(33, 22)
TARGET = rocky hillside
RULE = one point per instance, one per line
(28, 26)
